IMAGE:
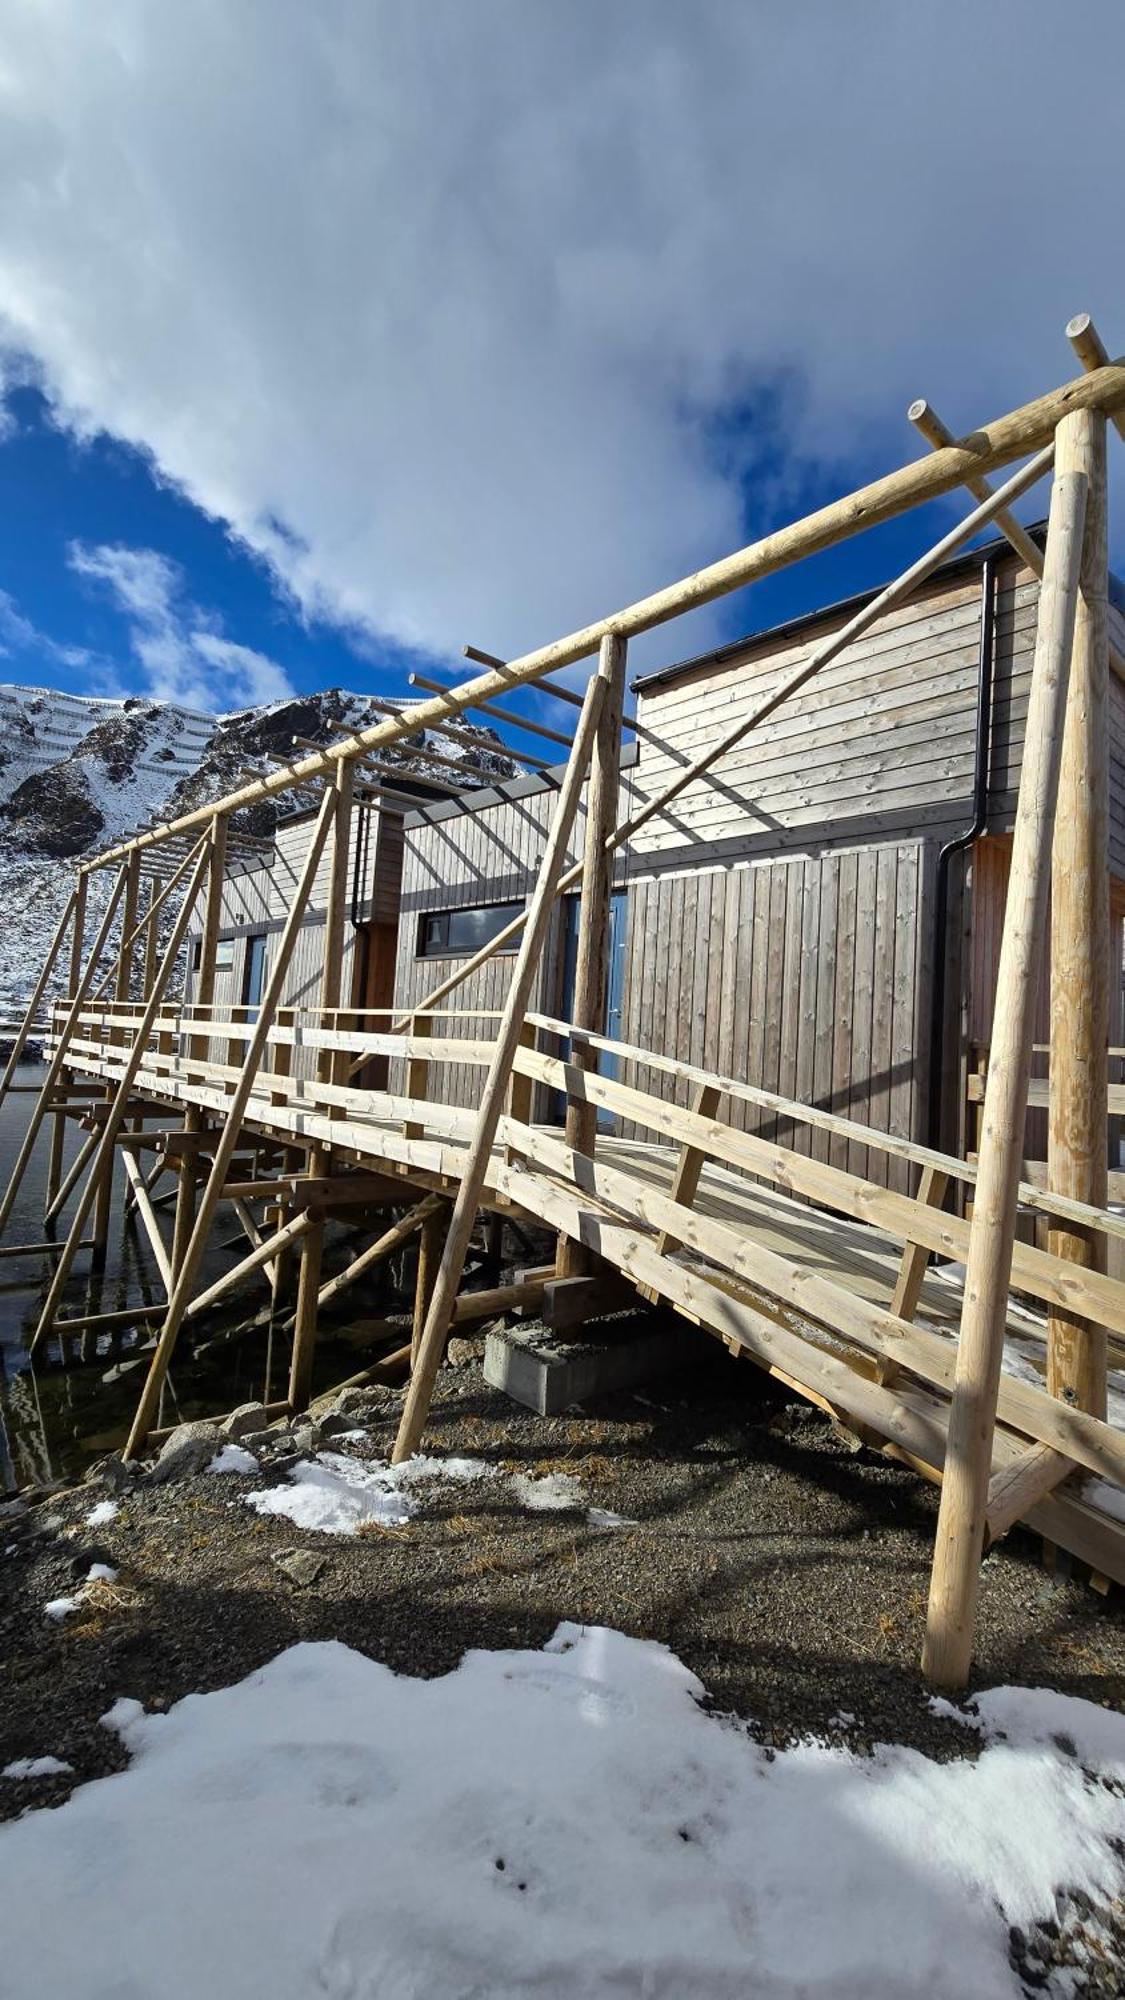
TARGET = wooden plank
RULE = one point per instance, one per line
(1015, 1489)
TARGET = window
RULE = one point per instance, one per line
(253, 975)
(444, 933)
(224, 952)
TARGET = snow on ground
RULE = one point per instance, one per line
(101, 1515)
(36, 1767)
(563, 1823)
(233, 1458)
(339, 1495)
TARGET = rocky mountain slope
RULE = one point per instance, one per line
(77, 773)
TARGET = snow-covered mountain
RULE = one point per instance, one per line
(78, 773)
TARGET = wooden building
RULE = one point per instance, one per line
(821, 916)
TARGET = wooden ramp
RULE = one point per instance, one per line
(821, 1276)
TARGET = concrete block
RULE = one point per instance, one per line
(548, 1374)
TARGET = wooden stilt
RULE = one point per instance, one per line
(148, 1217)
(431, 1242)
(1078, 1135)
(383, 1246)
(203, 995)
(331, 1068)
(591, 972)
(55, 1065)
(32, 1008)
(58, 1123)
(73, 1175)
(432, 1344)
(262, 1253)
(103, 1161)
(235, 1112)
(964, 1494)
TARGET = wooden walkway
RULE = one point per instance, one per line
(752, 1251)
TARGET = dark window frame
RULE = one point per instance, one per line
(436, 935)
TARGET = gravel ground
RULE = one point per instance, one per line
(786, 1569)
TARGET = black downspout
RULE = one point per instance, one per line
(960, 841)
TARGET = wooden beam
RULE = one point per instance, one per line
(507, 715)
(383, 1246)
(331, 1068)
(40, 987)
(58, 1123)
(1090, 348)
(148, 1217)
(985, 450)
(496, 1300)
(54, 1067)
(932, 1190)
(821, 657)
(203, 995)
(431, 1243)
(432, 1344)
(234, 1112)
(591, 972)
(1015, 1489)
(685, 1181)
(101, 1167)
(1078, 1125)
(264, 1252)
(961, 1519)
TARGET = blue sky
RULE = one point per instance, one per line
(365, 329)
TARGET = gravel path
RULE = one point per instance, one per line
(789, 1573)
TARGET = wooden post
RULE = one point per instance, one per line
(705, 1102)
(58, 1127)
(431, 1241)
(203, 995)
(432, 1344)
(25, 1026)
(101, 1168)
(591, 972)
(54, 1067)
(964, 1495)
(228, 1137)
(104, 1162)
(1078, 1141)
(331, 1068)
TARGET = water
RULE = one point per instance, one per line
(55, 1418)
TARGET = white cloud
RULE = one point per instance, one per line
(440, 306)
(185, 659)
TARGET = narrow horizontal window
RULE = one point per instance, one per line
(446, 933)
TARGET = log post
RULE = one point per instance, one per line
(23, 1031)
(432, 1344)
(199, 1046)
(964, 1495)
(431, 1240)
(228, 1137)
(591, 974)
(118, 1036)
(54, 1067)
(331, 1067)
(58, 1127)
(101, 1168)
(1078, 1133)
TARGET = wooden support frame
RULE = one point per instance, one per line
(67, 919)
(432, 1343)
(228, 1138)
(962, 1516)
(1078, 1125)
(591, 973)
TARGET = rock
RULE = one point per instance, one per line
(190, 1448)
(241, 1423)
(305, 1439)
(335, 1425)
(462, 1353)
(258, 1441)
(363, 1404)
(113, 1473)
(301, 1566)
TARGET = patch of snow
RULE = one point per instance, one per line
(948, 1711)
(101, 1515)
(337, 1495)
(60, 1608)
(587, 1829)
(556, 1491)
(233, 1458)
(37, 1767)
(600, 1517)
(101, 1573)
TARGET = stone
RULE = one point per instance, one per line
(363, 1404)
(462, 1353)
(248, 1417)
(301, 1566)
(336, 1425)
(112, 1473)
(304, 1439)
(190, 1449)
